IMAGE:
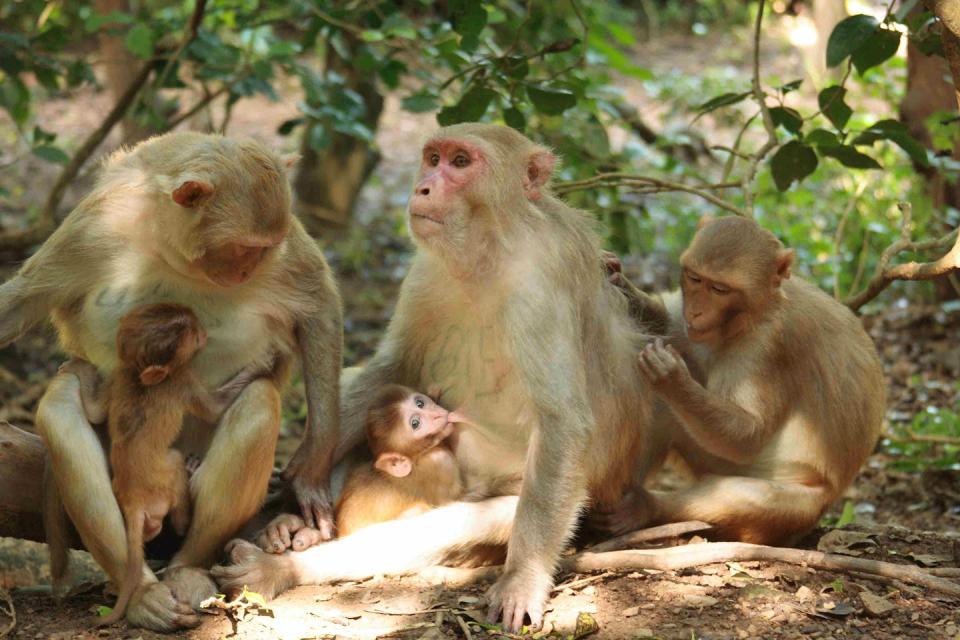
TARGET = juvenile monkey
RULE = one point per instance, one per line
(792, 399)
(412, 439)
(144, 402)
(205, 221)
(506, 309)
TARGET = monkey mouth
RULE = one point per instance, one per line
(420, 215)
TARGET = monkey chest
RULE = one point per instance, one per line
(238, 333)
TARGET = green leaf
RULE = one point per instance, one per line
(847, 516)
(390, 73)
(794, 161)
(103, 611)
(850, 157)
(832, 104)
(879, 48)
(848, 36)
(822, 138)
(372, 35)
(515, 118)
(723, 100)
(515, 67)
(95, 21)
(471, 107)
(15, 98)
(897, 133)
(51, 154)
(789, 119)
(419, 102)
(287, 126)
(469, 18)
(140, 41)
(552, 102)
(790, 86)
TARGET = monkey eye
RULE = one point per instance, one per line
(720, 290)
(692, 277)
(461, 160)
(419, 402)
(434, 159)
(415, 422)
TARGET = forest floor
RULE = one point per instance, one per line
(905, 508)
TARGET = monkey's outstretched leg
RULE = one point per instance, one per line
(231, 482)
(389, 548)
(746, 509)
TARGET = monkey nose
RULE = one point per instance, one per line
(423, 191)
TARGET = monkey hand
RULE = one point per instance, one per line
(632, 512)
(80, 368)
(287, 531)
(662, 366)
(254, 570)
(611, 264)
(153, 606)
(517, 594)
(310, 481)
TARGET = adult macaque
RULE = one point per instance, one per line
(203, 221)
(505, 309)
(792, 400)
(414, 468)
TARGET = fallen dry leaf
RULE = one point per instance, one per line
(876, 605)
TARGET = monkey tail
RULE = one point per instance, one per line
(131, 580)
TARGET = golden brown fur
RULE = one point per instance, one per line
(506, 309)
(792, 399)
(204, 221)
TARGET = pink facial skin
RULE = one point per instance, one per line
(447, 167)
(427, 419)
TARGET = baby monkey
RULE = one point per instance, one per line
(414, 469)
(144, 403)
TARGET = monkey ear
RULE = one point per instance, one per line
(191, 193)
(290, 160)
(154, 374)
(396, 464)
(784, 262)
(704, 221)
(540, 167)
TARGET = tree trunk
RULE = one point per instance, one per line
(826, 15)
(328, 181)
(21, 483)
(120, 67)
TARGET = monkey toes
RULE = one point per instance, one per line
(251, 568)
(155, 607)
(288, 531)
(512, 597)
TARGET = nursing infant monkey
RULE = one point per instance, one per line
(789, 399)
(145, 401)
(412, 439)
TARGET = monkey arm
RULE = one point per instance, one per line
(59, 273)
(320, 339)
(94, 395)
(719, 425)
(544, 341)
(646, 309)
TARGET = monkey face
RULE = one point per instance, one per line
(426, 421)
(448, 169)
(709, 305)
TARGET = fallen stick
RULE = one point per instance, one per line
(693, 555)
(641, 536)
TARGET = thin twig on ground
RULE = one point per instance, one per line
(651, 534)
(9, 610)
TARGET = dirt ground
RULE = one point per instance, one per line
(901, 516)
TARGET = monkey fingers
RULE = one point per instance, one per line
(306, 538)
(153, 606)
(190, 585)
(315, 506)
(611, 264)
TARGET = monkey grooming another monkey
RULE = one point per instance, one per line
(144, 403)
(792, 401)
(204, 221)
(505, 308)
(414, 468)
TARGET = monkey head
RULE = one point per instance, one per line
(224, 205)
(732, 272)
(156, 340)
(402, 424)
(475, 171)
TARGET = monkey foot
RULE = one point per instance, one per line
(250, 567)
(155, 607)
(513, 596)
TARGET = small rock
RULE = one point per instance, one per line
(804, 594)
(876, 605)
(695, 600)
(629, 612)
(590, 591)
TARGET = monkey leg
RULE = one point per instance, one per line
(79, 467)
(746, 509)
(231, 483)
(425, 540)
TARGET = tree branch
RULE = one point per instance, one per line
(647, 184)
(761, 99)
(47, 221)
(884, 274)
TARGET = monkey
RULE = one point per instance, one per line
(205, 221)
(786, 396)
(505, 307)
(414, 468)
